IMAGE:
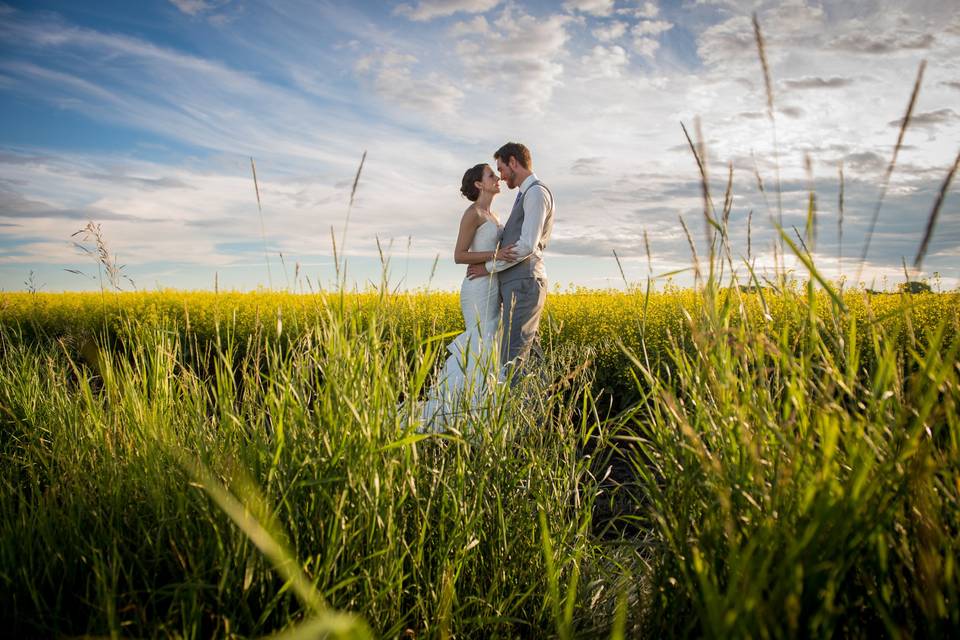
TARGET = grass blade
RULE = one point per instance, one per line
(263, 230)
(904, 123)
(934, 214)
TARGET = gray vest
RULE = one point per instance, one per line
(532, 267)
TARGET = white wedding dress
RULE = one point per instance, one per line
(474, 361)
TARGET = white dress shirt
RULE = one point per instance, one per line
(536, 204)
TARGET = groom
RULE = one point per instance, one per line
(523, 281)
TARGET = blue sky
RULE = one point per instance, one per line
(143, 117)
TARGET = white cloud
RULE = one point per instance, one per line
(396, 59)
(141, 205)
(929, 119)
(608, 32)
(794, 15)
(395, 80)
(868, 41)
(172, 94)
(606, 62)
(429, 9)
(799, 25)
(478, 25)
(592, 7)
(786, 24)
(520, 54)
(733, 38)
(650, 27)
(646, 46)
(835, 82)
(191, 7)
(206, 219)
(365, 63)
(426, 94)
(197, 7)
(953, 27)
(591, 166)
(646, 10)
(733, 6)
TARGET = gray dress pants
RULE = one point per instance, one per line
(523, 301)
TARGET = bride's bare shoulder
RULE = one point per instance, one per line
(472, 213)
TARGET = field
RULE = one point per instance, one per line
(782, 462)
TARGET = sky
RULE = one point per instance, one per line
(143, 118)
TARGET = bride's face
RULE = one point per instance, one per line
(490, 181)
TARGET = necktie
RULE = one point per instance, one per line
(519, 195)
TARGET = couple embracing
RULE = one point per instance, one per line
(505, 288)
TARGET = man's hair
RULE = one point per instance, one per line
(514, 150)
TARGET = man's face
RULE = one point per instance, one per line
(507, 174)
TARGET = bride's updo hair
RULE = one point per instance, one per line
(468, 188)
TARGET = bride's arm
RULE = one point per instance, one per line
(469, 224)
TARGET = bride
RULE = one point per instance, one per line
(474, 354)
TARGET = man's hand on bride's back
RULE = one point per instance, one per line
(507, 253)
(477, 271)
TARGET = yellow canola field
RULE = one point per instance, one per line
(595, 322)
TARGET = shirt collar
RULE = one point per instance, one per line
(526, 183)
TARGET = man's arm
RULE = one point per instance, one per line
(535, 207)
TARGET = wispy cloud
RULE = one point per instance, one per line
(929, 118)
(835, 82)
(522, 52)
(651, 27)
(606, 62)
(866, 162)
(196, 7)
(478, 25)
(120, 79)
(592, 7)
(612, 31)
(397, 80)
(587, 166)
(646, 10)
(881, 43)
(430, 9)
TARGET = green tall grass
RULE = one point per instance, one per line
(148, 493)
(796, 492)
(787, 473)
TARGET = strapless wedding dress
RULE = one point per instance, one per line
(473, 362)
